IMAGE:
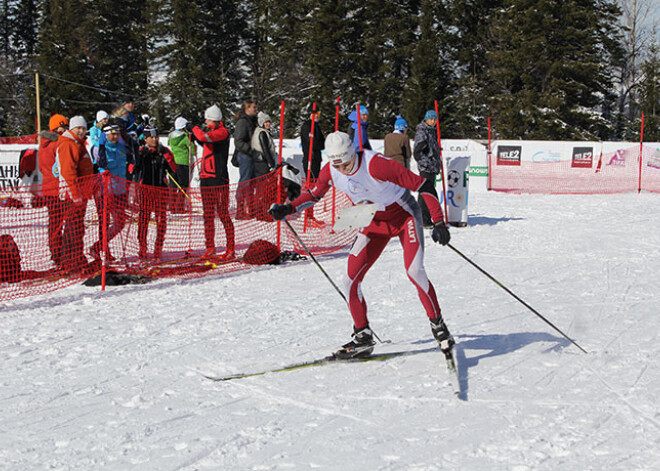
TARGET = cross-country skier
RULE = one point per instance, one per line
(368, 176)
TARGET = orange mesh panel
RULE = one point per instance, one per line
(151, 231)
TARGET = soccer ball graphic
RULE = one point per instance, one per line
(453, 178)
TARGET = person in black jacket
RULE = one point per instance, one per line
(246, 123)
(318, 144)
(265, 161)
(155, 166)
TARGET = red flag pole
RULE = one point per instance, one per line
(309, 158)
(442, 166)
(279, 176)
(490, 153)
(641, 148)
(104, 232)
(334, 190)
(359, 127)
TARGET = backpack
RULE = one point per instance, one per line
(262, 252)
(10, 260)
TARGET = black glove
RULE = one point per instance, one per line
(189, 127)
(280, 211)
(440, 233)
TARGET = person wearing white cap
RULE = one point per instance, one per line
(183, 150)
(96, 134)
(74, 164)
(214, 180)
(265, 161)
(370, 177)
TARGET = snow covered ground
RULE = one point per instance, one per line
(113, 380)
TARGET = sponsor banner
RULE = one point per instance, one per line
(654, 159)
(509, 155)
(583, 157)
(478, 171)
(9, 178)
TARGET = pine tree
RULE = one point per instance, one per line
(649, 92)
(63, 60)
(199, 47)
(548, 69)
(117, 49)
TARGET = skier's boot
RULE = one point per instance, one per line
(442, 335)
(361, 346)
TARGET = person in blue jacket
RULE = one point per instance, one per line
(353, 132)
(113, 158)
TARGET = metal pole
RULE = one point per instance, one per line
(515, 297)
(315, 261)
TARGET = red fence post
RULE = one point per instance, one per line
(279, 176)
(641, 148)
(490, 164)
(106, 190)
(442, 165)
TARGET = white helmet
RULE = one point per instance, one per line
(339, 148)
(214, 113)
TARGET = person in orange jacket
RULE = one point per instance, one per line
(73, 165)
(50, 186)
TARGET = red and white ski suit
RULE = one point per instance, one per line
(377, 179)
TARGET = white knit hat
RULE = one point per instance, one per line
(181, 122)
(77, 122)
(214, 113)
(263, 118)
(101, 115)
(339, 148)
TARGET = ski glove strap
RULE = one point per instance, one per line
(280, 211)
(440, 233)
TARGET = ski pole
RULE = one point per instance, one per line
(172, 179)
(515, 297)
(315, 261)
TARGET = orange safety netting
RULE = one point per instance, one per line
(151, 231)
(612, 172)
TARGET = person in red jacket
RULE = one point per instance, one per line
(50, 186)
(370, 177)
(214, 180)
(74, 164)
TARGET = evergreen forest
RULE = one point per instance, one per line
(540, 69)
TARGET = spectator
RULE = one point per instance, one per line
(353, 129)
(427, 155)
(113, 158)
(183, 149)
(154, 165)
(129, 106)
(74, 164)
(265, 161)
(397, 143)
(318, 144)
(214, 180)
(96, 135)
(50, 186)
(246, 123)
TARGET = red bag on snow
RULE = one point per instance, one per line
(262, 252)
(10, 260)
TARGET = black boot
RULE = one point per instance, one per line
(361, 346)
(442, 335)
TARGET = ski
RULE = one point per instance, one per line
(453, 371)
(314, 363)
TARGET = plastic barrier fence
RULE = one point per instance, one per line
(150, 231)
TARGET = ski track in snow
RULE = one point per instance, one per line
(113, 380)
